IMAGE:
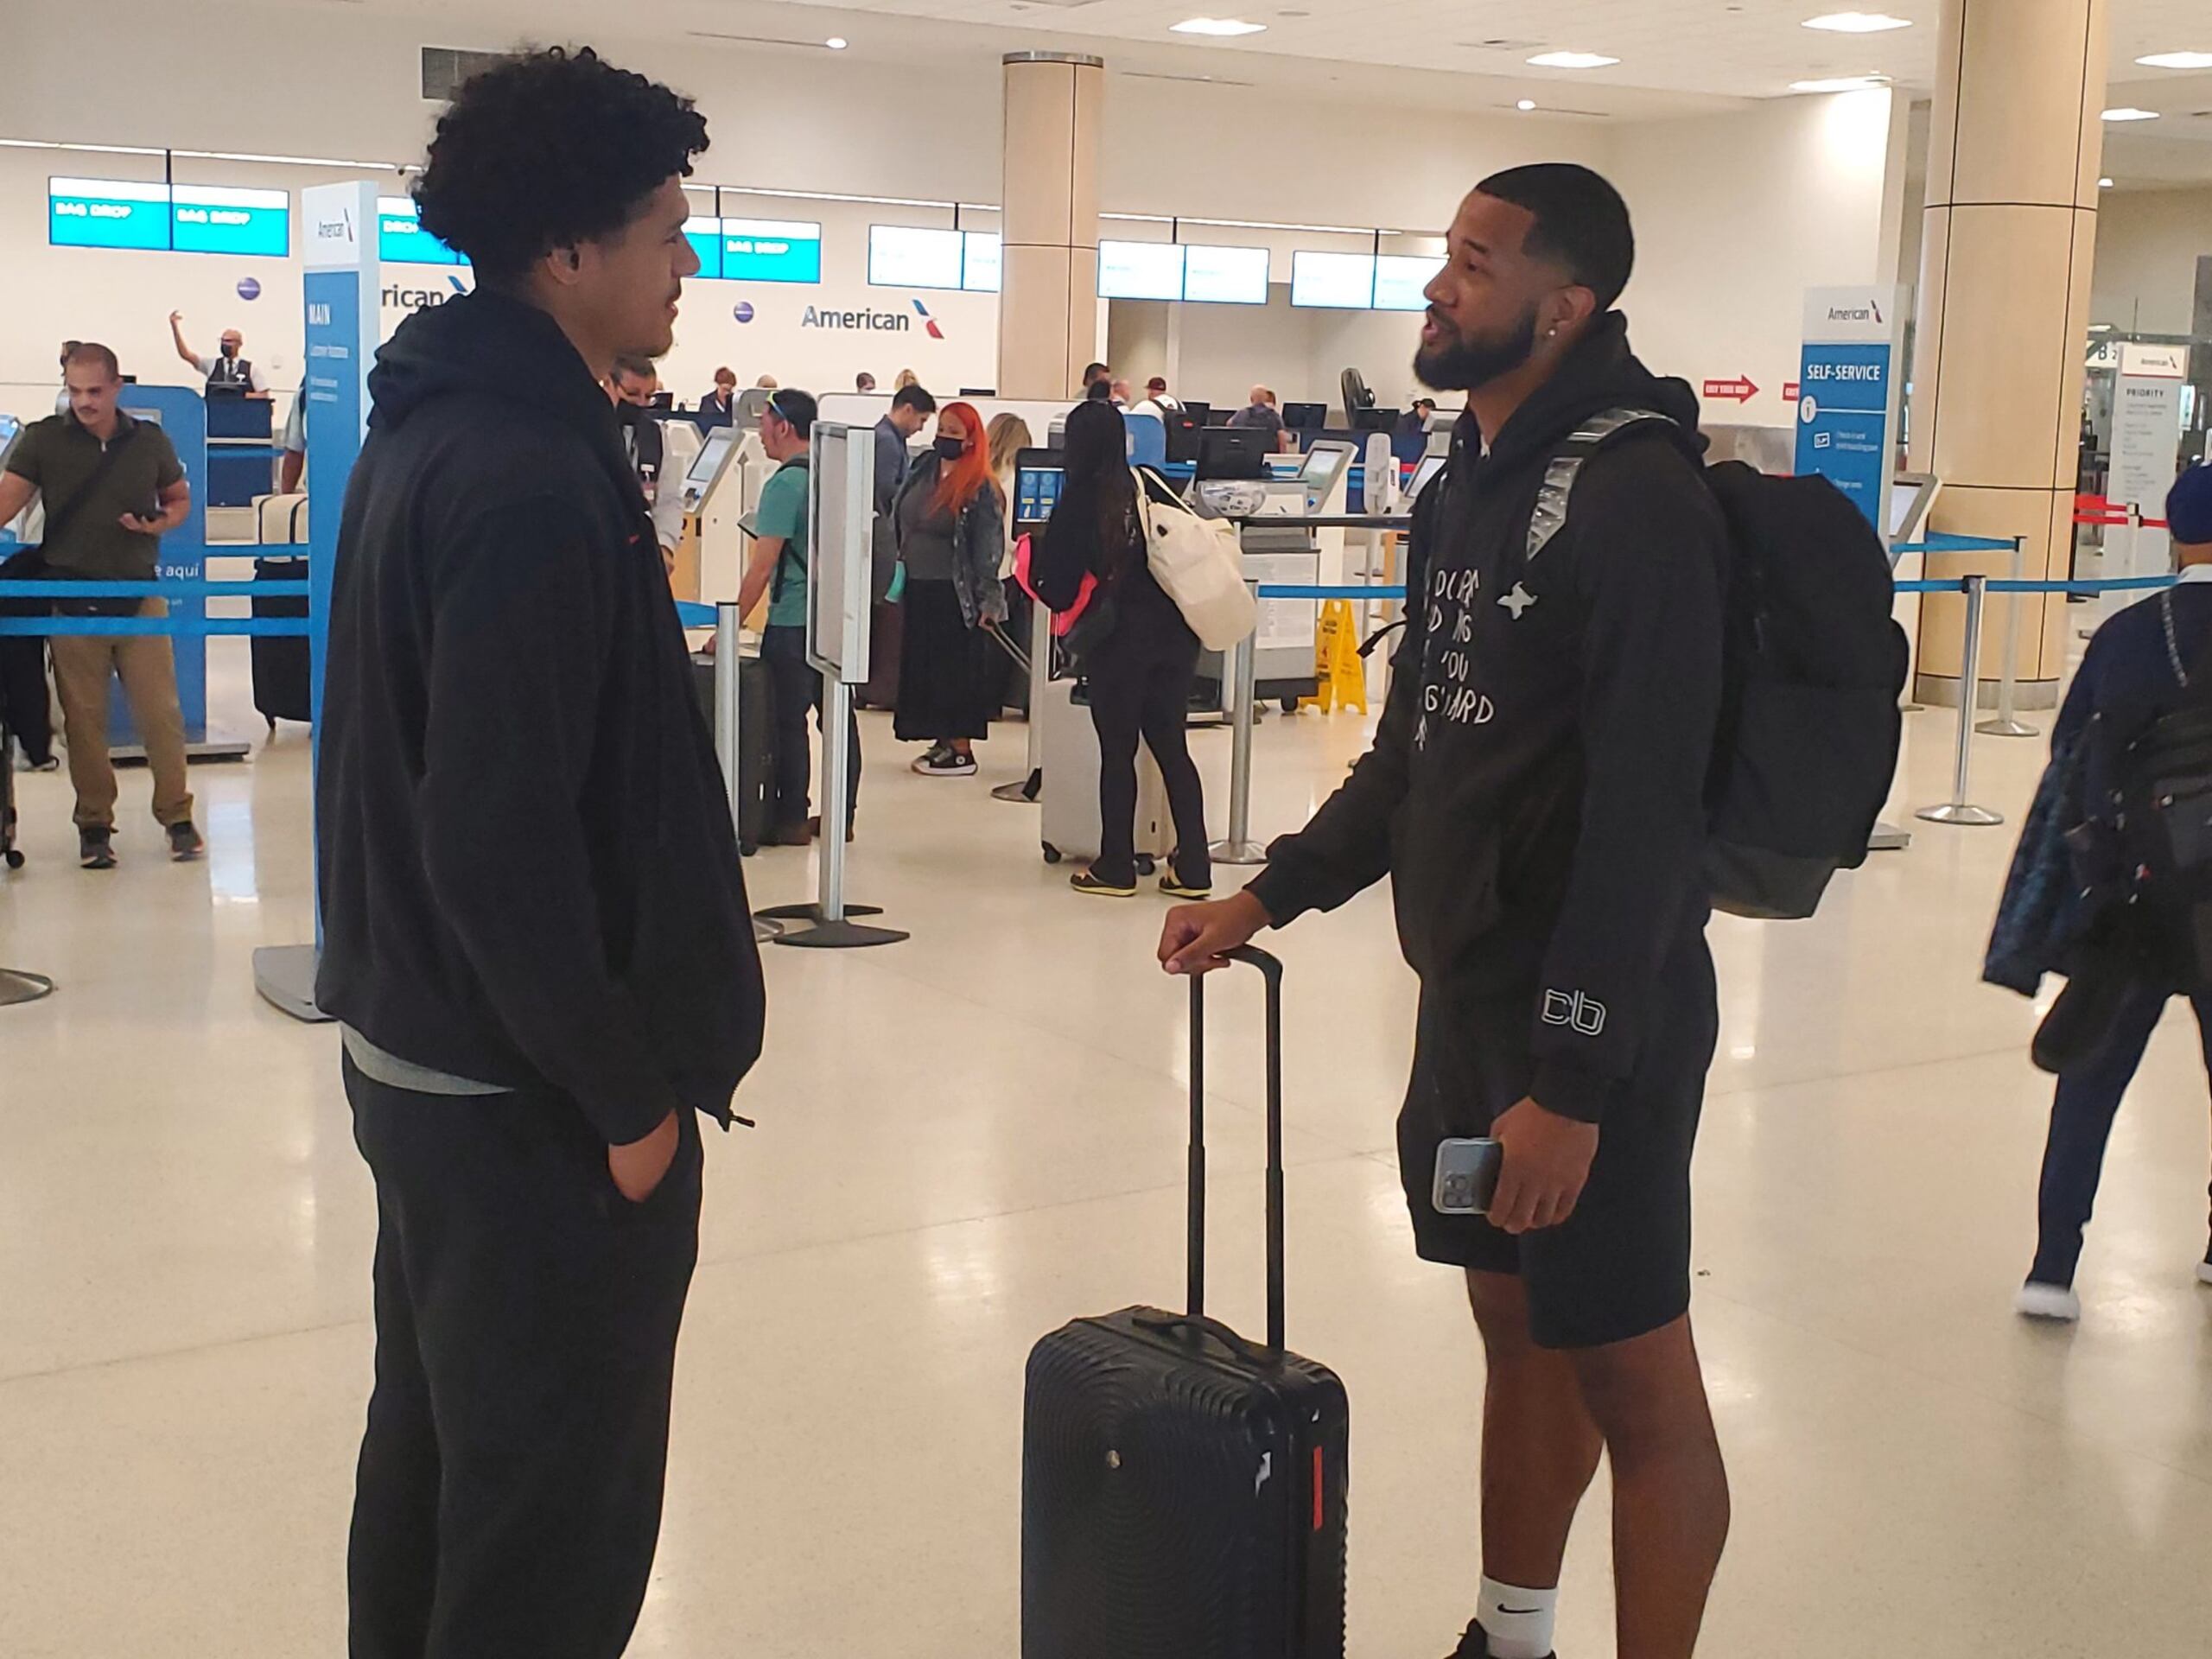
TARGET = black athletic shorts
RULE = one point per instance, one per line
(1620, 1267)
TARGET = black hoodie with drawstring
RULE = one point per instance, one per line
(1535, 792)
(525, 859)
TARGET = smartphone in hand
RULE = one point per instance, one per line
(1466, 1176)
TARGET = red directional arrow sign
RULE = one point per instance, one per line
(1743, 389)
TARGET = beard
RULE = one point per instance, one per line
(1467, 363)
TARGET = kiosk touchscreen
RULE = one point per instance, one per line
(1425, 474)
(714, 455)
(1037, 478)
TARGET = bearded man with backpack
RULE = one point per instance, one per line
(1589, 621)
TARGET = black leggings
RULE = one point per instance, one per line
(1141, 686)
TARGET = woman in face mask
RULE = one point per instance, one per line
(949, 520)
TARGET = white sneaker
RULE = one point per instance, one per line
(2058, 1302)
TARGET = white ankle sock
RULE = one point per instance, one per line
(1517, 1622)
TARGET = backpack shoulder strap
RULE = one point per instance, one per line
(783, 557)
(1552, 497)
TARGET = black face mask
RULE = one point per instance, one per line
(951, 448)
(1468, 364)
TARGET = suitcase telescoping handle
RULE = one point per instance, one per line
(1271, 971)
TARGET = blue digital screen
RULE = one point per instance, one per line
(1036, 492)
(214, 218)
(770, 251)
(1343, 281)
(705, 236)
(400, 239)
(107, 213)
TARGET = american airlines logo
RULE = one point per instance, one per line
(1869, 312)
(335, 230)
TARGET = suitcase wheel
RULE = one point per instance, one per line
(1290, 705)
(1145, 865)
(14, 858)
(1051, 853)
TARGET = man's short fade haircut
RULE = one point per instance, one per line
(797, 407)
(547, 149)
(638, 368)
(1581, 223)
(91, 351)
(916, 398)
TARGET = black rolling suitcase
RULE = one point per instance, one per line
(281, 671)
(756, 742)
(1183, 1490)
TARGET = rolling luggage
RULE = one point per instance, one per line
(756, 742)
(1183, 1490)
(281, 663)
(1069, 759)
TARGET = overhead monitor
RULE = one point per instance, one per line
(1139, 270)
(1225, 276)
(906, 256)
(218, 218)
(107, 213)
(981, 258)
(1400, 278)
(713, 454)
(705, 235)
(1343, 281)
(770, 251)
(400, 239)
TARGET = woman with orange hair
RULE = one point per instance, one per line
(949, 520)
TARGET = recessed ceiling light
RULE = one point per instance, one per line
(1572, 60)
(2104, 184)
(2131, 113)
(1219, 26)
(1841, 83)
(1526, 104)
(1858, 22)
(835, 43)
(2177, 61)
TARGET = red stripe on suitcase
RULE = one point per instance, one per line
(1320, 1510)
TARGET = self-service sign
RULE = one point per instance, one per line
(1846, 394)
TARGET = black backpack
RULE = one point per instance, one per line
(2164, 787)
(1814, 665)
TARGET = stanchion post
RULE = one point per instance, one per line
(727, 624)
(1031, 788)
(1240, 849)
(2006, 722)
(1958, 810)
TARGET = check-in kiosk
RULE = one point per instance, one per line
(719, 490)
(1278, 549)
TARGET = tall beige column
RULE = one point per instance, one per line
(2010, 229)
(1048, 297)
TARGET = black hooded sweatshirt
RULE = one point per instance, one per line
(528, 873)
(1536, 787)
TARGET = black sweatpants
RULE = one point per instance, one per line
(798, 688)
(508, 1499)
(1139, 681)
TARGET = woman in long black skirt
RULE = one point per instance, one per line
(949, 520)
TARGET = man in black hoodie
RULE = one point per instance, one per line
(536, 932)
(1535, 794)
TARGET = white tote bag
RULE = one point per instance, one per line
(1197, 560)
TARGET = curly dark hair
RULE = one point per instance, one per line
(548, 149)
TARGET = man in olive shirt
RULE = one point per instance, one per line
(112, 486)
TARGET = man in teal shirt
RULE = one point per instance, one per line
(779, 568)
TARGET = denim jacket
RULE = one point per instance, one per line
(979, 537)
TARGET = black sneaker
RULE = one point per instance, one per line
(1085, 882)
(946, 763)
(95, 848)
(186, 843)
(1475, 1645)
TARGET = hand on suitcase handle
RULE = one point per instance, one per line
(1198, 938)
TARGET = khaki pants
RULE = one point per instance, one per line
(82, 663)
